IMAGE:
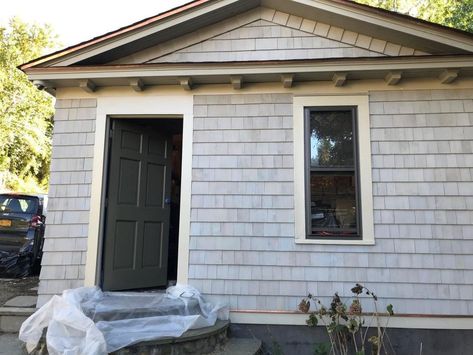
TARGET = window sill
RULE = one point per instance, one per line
(334, 242)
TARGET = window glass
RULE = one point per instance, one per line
(331, 139)
(18, 204)
(333, 204)
(333, 210)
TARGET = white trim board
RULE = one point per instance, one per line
(408, 322)
(253, 68)
(133, 106)
(361, 102)
(352, 87)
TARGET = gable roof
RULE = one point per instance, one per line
(199, 13)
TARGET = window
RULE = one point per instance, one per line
(332, 170)
(331, 173)
(18, 204)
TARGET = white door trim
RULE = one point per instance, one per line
(144, 106)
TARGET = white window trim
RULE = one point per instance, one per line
(364, 148)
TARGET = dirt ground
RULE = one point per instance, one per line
(10, 288)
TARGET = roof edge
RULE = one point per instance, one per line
(136, 25)
(117, 67)
(197, 3)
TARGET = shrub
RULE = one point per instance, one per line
(346, 325)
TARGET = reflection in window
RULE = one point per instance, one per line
(333, 210)
(331, 139)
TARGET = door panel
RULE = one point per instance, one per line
(152, 240)
(125, 240)
(155, 185)
(137, 219)
(129, 180)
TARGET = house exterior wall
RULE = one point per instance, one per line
(242, 246)
(65, 245)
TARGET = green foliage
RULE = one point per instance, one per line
(25, 112)
(452, 13)
(389, 308)
(402, 6)
(323, 349)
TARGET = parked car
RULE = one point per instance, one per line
(22, 225)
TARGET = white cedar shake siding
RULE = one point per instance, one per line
(242, 246)
(65, 244)
(265, 40)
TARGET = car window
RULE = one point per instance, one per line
(18, 204)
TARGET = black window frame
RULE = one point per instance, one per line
(308, 169)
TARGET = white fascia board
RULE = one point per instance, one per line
(450, 39)
(136, 35)
(242, 69)
(399, 25)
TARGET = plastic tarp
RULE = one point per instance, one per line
(88, 321)
(16, 263)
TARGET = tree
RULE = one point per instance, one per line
(25, 112)
(452, 13)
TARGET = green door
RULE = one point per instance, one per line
(137, 215)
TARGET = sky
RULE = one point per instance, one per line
(80, 20)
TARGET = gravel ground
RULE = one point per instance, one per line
(10, 288)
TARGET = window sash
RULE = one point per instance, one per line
(341, 233)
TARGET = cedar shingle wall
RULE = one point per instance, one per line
(242, 220)
(69, 197)
(264, 40)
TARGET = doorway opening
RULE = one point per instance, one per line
(142, 204)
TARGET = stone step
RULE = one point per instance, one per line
(205, 341)
(11, 318)
(240, 346)
(193, 342)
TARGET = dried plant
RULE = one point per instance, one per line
(346, 325)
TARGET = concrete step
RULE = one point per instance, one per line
(15, 311)
(22, 302)
(11, 318)
(240, 346)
